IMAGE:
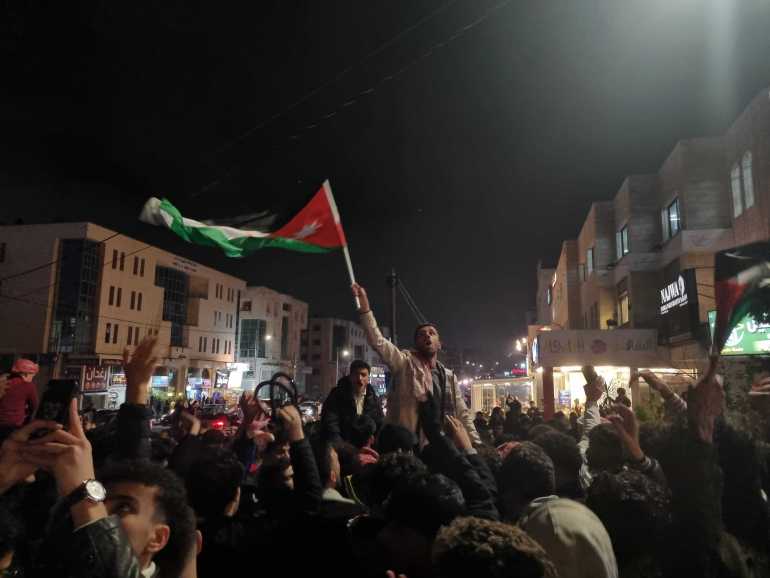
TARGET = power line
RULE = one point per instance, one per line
(355, 99)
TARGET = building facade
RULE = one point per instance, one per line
(75, 295)
(328, 347)
(270, 330)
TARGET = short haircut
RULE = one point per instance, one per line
(528, 471)
(565, 454)
(631, 505)
(487, 549)
(605, 448)
(380, 478)
(170, 507)
(360, 364)
(539, 429)
(213, 481)
(361, 430)
(424, 502)
(213, 437)
(394, 438)
(423, 325)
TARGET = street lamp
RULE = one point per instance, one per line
(345, 353)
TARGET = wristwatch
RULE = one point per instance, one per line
(91, 490)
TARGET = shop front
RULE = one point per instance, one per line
(558, 358)
(486, 394)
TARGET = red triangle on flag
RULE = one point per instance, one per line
(318, 223)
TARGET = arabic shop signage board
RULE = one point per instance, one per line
(748, 338)
(623, 347)
(678, 303)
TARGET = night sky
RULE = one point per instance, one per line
(462, 171)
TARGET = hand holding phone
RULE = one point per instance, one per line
(55, 404)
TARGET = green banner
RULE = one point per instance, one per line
(748, 338)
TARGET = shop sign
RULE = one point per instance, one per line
(673, 295)
(195, 381)
(749, 337)
(95, 379)
(565, 398)
(159, 381)
(221, 380)
(118, 379)
(678, 300)
(624, 347)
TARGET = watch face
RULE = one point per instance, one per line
(95, 491)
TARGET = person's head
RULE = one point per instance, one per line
(26, 369)
(214, 438)
(573, 419)
(480, 416)
(381, 478)
(415, 510)
(328, 465)
(487, 549)
(621, 392)
(565, 454)
(498, 430)
(630, 505)
(538, 430)
(359, 374)
(213, 484)
(362, 431)
(426, 340)
(605, 449)
(395, 438)
(497, 412)
(527, 473)
(152, 505)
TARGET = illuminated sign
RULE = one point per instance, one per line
(749, 337)
(673, 295)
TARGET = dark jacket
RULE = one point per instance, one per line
(339, 411)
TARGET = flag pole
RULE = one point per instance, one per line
(330, 198)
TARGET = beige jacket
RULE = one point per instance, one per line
(412, 380)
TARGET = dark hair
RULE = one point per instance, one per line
(565, 454)
(528, 472)
(360, 364)
(631, 505)
(539, 429)
(425, 502)
(213, 437)
(605, 448)
(487, 549)
(380, 478)
(213, 481)
(417, 329)
(323, 459)
(170, 506)
(361, 430)
(393, 438)
(162, 449)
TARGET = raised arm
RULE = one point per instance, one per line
(389, 353)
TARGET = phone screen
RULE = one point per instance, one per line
(56, 401)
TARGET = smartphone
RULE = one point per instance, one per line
(55, 404)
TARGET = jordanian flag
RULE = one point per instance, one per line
(741, 276)
(315, 229)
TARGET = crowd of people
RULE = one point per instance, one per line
(424, 492)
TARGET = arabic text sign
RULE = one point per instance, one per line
(748, 338)
(624, 347)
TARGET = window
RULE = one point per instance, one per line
(107, 333)
(316, 357)
(245, 305)
(624, 304)
(133, 301)
(205, 344)
(141, 268)
(748, 180)
(136, 265)
(285, 338)
(139, 302)
(316, 328)
(114, 259)
(122, 261)
(316, 342)
(130, 335)
(112, 295)
(115, 335)
(621, 242)
(671, 220)
(200, 343)
(595, 316)
(120, 295)
(2, 252)
(287, 307)
(735, 187)
(549, 295)
(590, 261)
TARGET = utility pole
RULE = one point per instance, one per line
(392, 281)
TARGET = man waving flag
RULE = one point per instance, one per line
(315, 229)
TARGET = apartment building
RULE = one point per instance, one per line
(270, 330)
(75, 295)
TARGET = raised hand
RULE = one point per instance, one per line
(360, 293)
(625, 424)
(13, 466)
(139, 367)
(594, 386)
(705, 402)
(292, 421)
(456, 430)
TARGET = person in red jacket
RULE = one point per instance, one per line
(20, 398)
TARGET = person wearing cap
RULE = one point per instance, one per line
(20, 399)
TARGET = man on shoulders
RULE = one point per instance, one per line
(352, 397)
(417, 374)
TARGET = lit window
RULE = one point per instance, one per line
(590, 261)
(735, 187)
(748, 180)
(621, 242)
(548, 295)
(671, 220)
(623, 308)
